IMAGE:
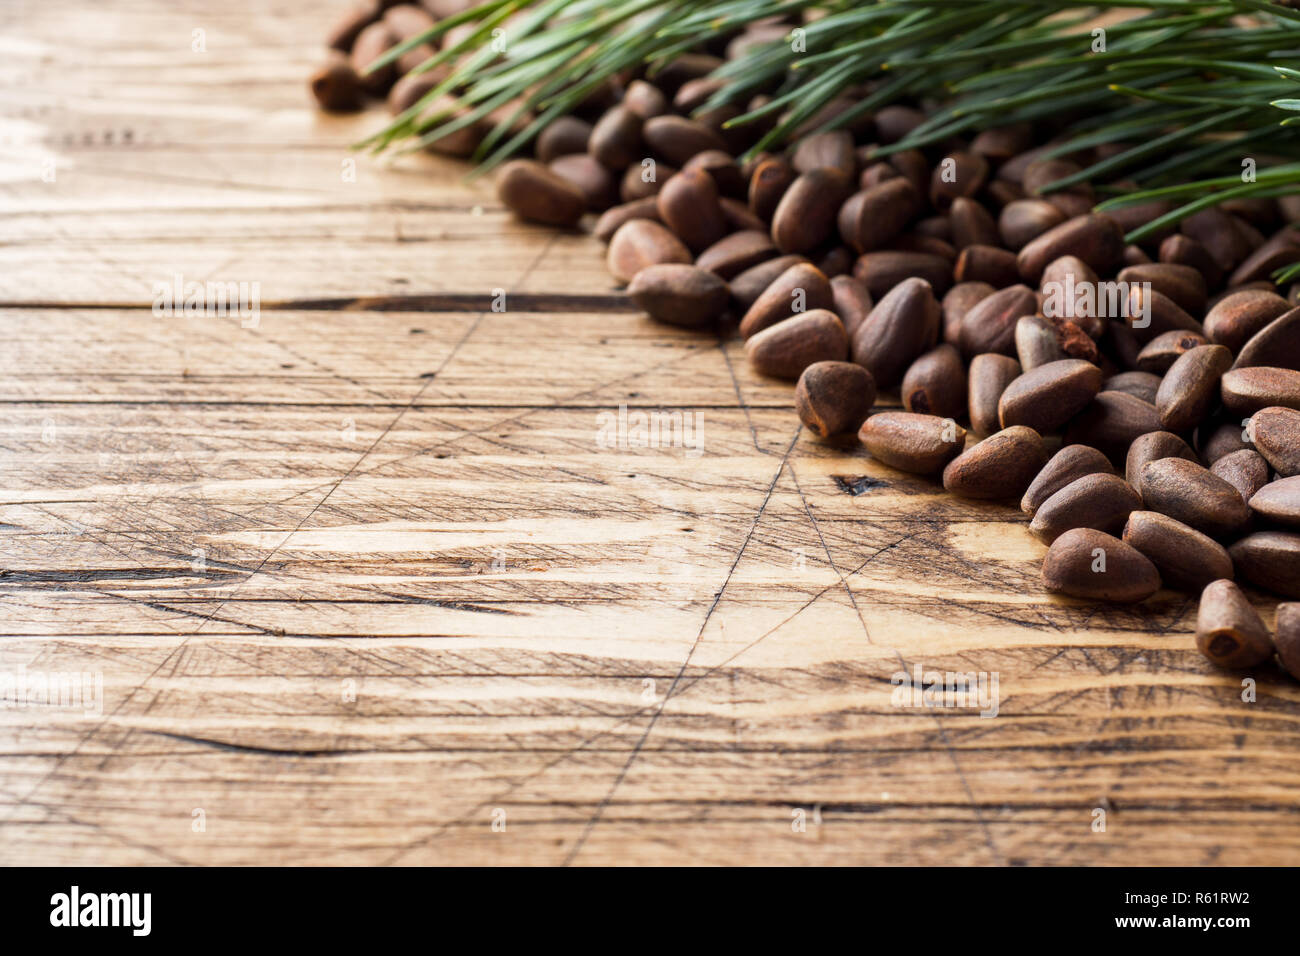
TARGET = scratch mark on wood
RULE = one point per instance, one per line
(654, 717)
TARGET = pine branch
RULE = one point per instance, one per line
(1189, 81)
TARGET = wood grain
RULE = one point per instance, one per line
(361, 581)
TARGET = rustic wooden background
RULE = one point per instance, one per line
(361, 582)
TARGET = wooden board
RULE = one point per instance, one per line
(363, 584)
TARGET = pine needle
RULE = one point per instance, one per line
(1185, 82)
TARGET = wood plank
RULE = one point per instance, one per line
(356, 580)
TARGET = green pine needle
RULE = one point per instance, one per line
(1190, 84)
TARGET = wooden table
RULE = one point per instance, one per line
(364, 584)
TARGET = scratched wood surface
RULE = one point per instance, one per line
(363, 585)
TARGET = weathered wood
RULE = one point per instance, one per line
(361, 579)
